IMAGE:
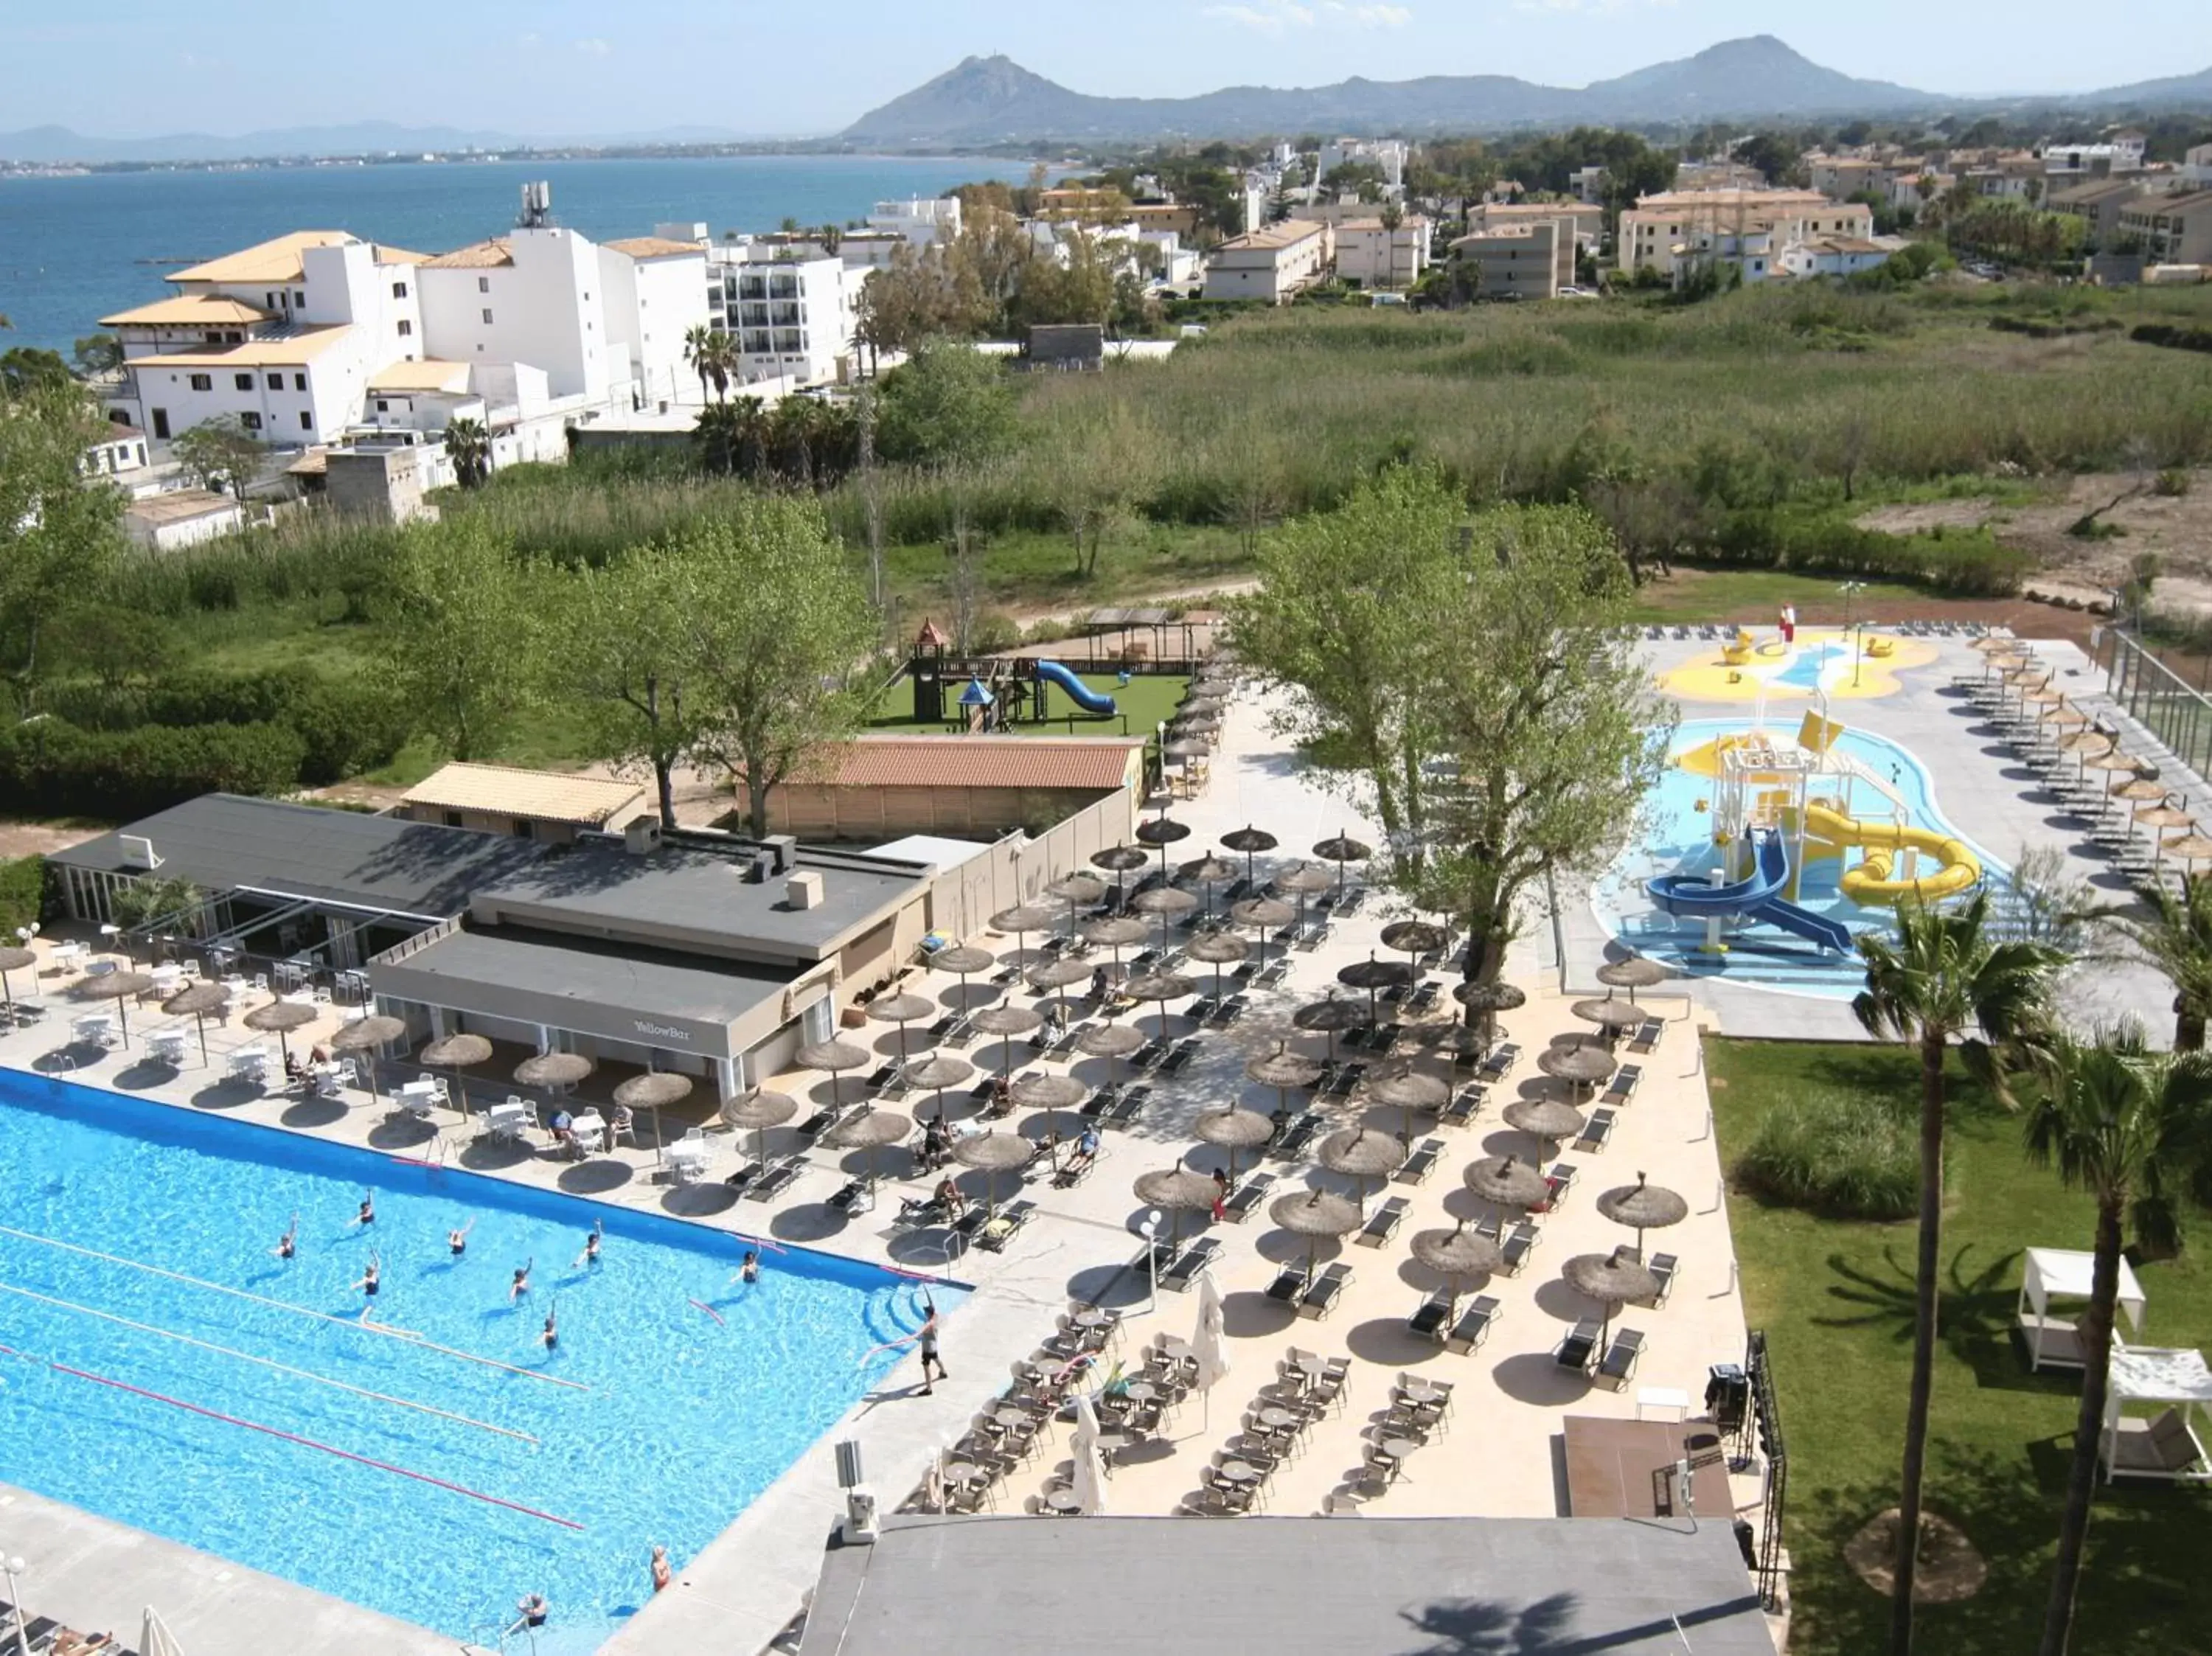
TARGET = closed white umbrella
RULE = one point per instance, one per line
(1089, 1465)
(1210, 1344)
(154, 1638)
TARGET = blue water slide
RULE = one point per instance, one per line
(1077, 691)
(1757, 898)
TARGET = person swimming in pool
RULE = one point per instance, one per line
(457, 1241)
(367, 1214)
(590, 1256)
(287, 1245)
(549, 1335)
(371, 1280)
(521, 1285)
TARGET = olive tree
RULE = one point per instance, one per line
(1473, 682)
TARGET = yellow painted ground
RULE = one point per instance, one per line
(1733, 674)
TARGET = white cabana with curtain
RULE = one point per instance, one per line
(2168, 1445)
(2053, 1339)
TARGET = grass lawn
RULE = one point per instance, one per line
(1140, 705)
(1835, 1299)
(1756, 596)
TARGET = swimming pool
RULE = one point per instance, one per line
(1676, 838)
(680, 1396)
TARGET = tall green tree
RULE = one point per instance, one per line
(221, 454)
(2134, 1129)
(2177, 940)
(27, 368)
(469, 443)
(625, 648)
(1943, 978)
(777, 631)
(59, 534)
(462, 642)
(97, 354)
(1470, 678)
(947, 406)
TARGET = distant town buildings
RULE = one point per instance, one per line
(1375, 255)
(1272, 265)
(1746, 229)
(919, 223)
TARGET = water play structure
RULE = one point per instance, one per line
(1074, 688)
(1777, 805)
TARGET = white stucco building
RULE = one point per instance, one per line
(1373, 256)
(1747, 228)
(921, 221)
(792, 310)
(1272, 265)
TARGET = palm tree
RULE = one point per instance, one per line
(719, 435)
(2134, 1129)
(722, 361)
(1943, 978)
(469, 444)
(2177, 941)
(698, 346)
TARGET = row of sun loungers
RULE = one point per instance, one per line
(1722, 632)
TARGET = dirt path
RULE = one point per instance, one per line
(43, 839)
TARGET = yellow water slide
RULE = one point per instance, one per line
(1871, 881)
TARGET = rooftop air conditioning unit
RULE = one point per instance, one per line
(803, 889)
(137, 850)
(641, 838)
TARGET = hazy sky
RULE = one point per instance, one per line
(130, 68)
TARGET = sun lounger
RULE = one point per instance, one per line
(1352, 900)
(1417, 1168)
(821, 1121)
(1384, 1222)
(1077, 1169)
(1202, 1009)
(1664, 1267)
(857, 1195)
(1517, 1246)
(1149, 1055)
(970, 1223)
(1428, 1321)
(917, 1213)
(1195, 1258)
(1620, 1359)
(1579, 1349)
(1153, 1259)
(1345, 1082)
(1596, 1131)
(1462, 1108)
(1558, 1183)
(776, 1180)
(1289, 1284)
(994, 1233)
(2162, 1447)
(1178, 1056)
(1474, 1325)
(1251, 1190)
(1128, 1107)
(1500, 1061)
(1625, 1080)
(1327, 1289)
(1298, 1138)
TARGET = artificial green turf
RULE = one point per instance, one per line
(1139, 708)
(1835, 1299)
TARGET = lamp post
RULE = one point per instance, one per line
(14, 1567)
(1851, 589)
(1149, 1231)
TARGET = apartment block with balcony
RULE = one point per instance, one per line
(1745, 227)
(793, 316)
(1274, 265)
(2171, 229)
(1579, 228)
(1518, 259)
(1375, 255)
(919, 221)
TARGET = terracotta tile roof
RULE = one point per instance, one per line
(1100, 762)
(478, 256)
(188, 310)
(507, 790)
(276, 260)
(289, 348)
(656, 248)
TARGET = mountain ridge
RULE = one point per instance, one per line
(983, 101)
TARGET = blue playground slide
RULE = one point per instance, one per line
(1759, 898)
(1077, 691)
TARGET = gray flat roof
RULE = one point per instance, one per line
(226, 841)
(1366, 1587)
(683, 895)
(584, 984)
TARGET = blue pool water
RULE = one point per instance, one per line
(682, 1421)
(1676, 837)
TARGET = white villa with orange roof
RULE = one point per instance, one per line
(319, 337)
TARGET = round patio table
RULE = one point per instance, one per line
(1399, 1449)
(1280, 1419)
(1092, 1319)
(1177, 1349)
(1240, 1472)
(1013, 1419)
(961, 1471)
(1312, 1368)
(1421, 1392)
(1062, 1500)
(1140, 1392)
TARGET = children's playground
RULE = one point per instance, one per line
(1021, 695)
(1826, 663)
(1769, 843)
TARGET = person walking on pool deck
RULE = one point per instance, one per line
(590, 1256)
(287, 1245)
(521, 1285)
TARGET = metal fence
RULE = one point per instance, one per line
(2150, 693)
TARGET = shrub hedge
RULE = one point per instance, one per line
(1971, 564)
(346, 725)
(1840, 1155)
(22, 891)
(50, 765)
(2168, 334)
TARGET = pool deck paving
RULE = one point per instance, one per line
(1500, 1454)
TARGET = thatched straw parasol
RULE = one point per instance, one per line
(1633, 973)
(993, 1153)
(1371, 975)
(1359, 1153)
(652, 1091)
(1260, 913)
(1165, 902)
(1162, 986)
(1217, 950)
(1643, 1206)
(1110, 1041)
(1414, 937)
(1409, 1092)
(1314, 1214)
(198, 999)
(937, 1072)
(1179, 1191)
(1458, 1253)
(1609, 1015)
(1117, 934)
(1611, 1279)
(554, 1070)
(871, 1131)
(1163, 831)
(758, 1111)
(1579, 1066)
(1007, 1023)
(117, 986)
(1233, 1130)
(451, 1052)
(1283, 1070)
(1341, 850)
(280, 1018)
(1251, 841)
(900, 1010)
(963, 961)
(1546, 1119)
(1507, 1180)
(1023, 918)
(1209, 872)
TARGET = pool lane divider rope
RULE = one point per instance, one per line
(412, 1338)
(266, 1362)
(61, 1367)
